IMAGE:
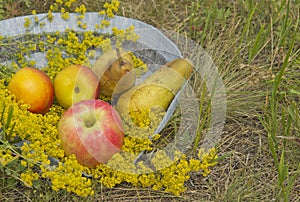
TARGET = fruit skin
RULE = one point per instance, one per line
(33, 87)
(156, 91)
(115, 72)
(75, 83)
(92, 130)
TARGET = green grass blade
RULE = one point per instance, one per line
(259, 40)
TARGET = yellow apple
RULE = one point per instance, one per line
(34, 88)
(75, 83)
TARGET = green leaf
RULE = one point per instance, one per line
(282, 170)
(293, 91)
(9, 117)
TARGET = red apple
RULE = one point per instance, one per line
(33, 87)
(92, 130)
(75, 83)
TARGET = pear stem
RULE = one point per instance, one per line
(121, 61)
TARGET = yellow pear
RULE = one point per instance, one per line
(115, 70)
(156, 91)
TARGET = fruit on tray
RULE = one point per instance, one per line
(33, 87)
(92, 130)
(75, 83)
(115, 71)
(156, 91)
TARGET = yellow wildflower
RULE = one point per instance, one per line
(124, 35)
(111, 8)
(27, 22)
(50, 15)
(140, 66)
(65, 16)
(83, 25)
(81, 9)
(59, 1)
(69, 3)
(36, 19)
(104, 23)
(68, 176)
(28, 177)
(102, 12)
(6, 157)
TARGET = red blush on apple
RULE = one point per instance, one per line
(92, 131)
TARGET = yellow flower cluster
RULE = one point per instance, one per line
(136, 145)
(25, 49)
(68, 176)
(27, 23)
(74, 49)
(207, 160)
(28, 177)
(63, 6)
(69, 3)
(165, 173)
(81, 9)
(6, 156)
(71, 49)
(140, 66)
(109, 12)
(40, 130)
(121, 35)
(66, 6)
(138, 134)
(104, 23)
(64, 14)
(111, 8)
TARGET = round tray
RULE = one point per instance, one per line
(153, 47)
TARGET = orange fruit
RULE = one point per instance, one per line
(34, 88)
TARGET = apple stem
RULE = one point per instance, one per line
(121, 61)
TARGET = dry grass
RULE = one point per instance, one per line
(248, 173)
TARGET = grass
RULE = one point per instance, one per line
(255, 45)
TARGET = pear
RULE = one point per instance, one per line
(156, 92)
(115, 70)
